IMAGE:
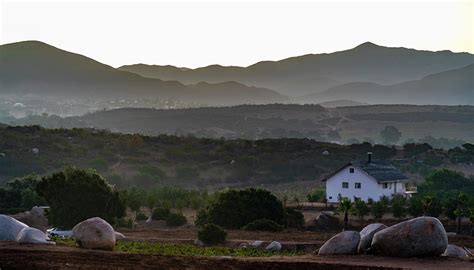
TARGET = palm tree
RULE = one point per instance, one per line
(360, 209)
(345, 206)
(426, 203)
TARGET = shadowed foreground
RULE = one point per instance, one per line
(15, 256)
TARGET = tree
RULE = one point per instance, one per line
(316, 195)
(399, 207)
(415, 208)
(461, 210)
(236, 208)
(360, 209)
(345, 206)
(390, 135)
(379, 208)
(75, 195)
(431, 206)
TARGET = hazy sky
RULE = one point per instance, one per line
(194, 34)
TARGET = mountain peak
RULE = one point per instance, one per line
(367, 45)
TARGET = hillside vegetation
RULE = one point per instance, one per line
(136, 160)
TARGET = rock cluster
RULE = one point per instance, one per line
(423, 236)
(14, 230)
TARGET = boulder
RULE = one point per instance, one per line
(455, 251)
(422, 236)
(367, 234)
(94, 233)
(327, 220)
(198, 243)
(33, 236)
(119, 236)
(35, 218)
(256, 244)
(344, 243)
(274, 246)
(9, 228)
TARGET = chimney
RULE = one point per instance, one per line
(369, 157)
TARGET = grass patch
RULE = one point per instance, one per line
(168, 249)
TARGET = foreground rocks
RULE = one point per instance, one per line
(35, 218)
(94, 233)
(344, 243)
(33, 236)
(455, 251)
(10, 228)
(367, 234)
(423, 236)
(274, 246)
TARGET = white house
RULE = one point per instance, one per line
(365, 179)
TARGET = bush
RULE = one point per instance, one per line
(263, 225)
(141, 216)
(295, 218)
(236, 208)
(160, 214)
(212, 234)
(175, 220)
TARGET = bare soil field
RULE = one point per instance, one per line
(15, 256)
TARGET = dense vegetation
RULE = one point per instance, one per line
(142, 161)
(236, 208)
(75, 195)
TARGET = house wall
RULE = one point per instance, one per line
(370, 188)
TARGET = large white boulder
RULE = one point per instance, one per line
(367, 234)
(343, 243)
(33, 236)
(10, 227)
(274, 246)
(422, 236)
(94, 233)
(455, 251)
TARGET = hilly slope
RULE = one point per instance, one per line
(33, 67)
(453, 87)
(313, 73)
(342, 124)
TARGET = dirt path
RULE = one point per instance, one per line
(15, 256)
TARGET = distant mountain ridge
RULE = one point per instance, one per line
(453, 87)
(313, 73)
(33, 67)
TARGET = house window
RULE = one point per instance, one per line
(357, 185)
(345, 184)
(330, 197)
(351, 170)
(385, 185)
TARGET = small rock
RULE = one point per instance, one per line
(198, 243)
(256, 244)
(343, 243)
(94, 233)
(367, 234)
(243, 245)
(119, 236)
(455, 251)
(327, 220)
(422, 236)
(274, 246)
(33, 236)
(10, 227)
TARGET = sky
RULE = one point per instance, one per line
(194, 33)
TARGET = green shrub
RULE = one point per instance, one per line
(295, 218)
(175, 220)
(236, 208)
(141, 216)
(263, 225)
(123, 223)
(160, 214)
(212, 234)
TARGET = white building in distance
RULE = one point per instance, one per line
(365, 179)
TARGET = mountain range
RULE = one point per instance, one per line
(314, 73)
(368, 73)
(33, 67)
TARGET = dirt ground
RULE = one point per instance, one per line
(15, 256)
